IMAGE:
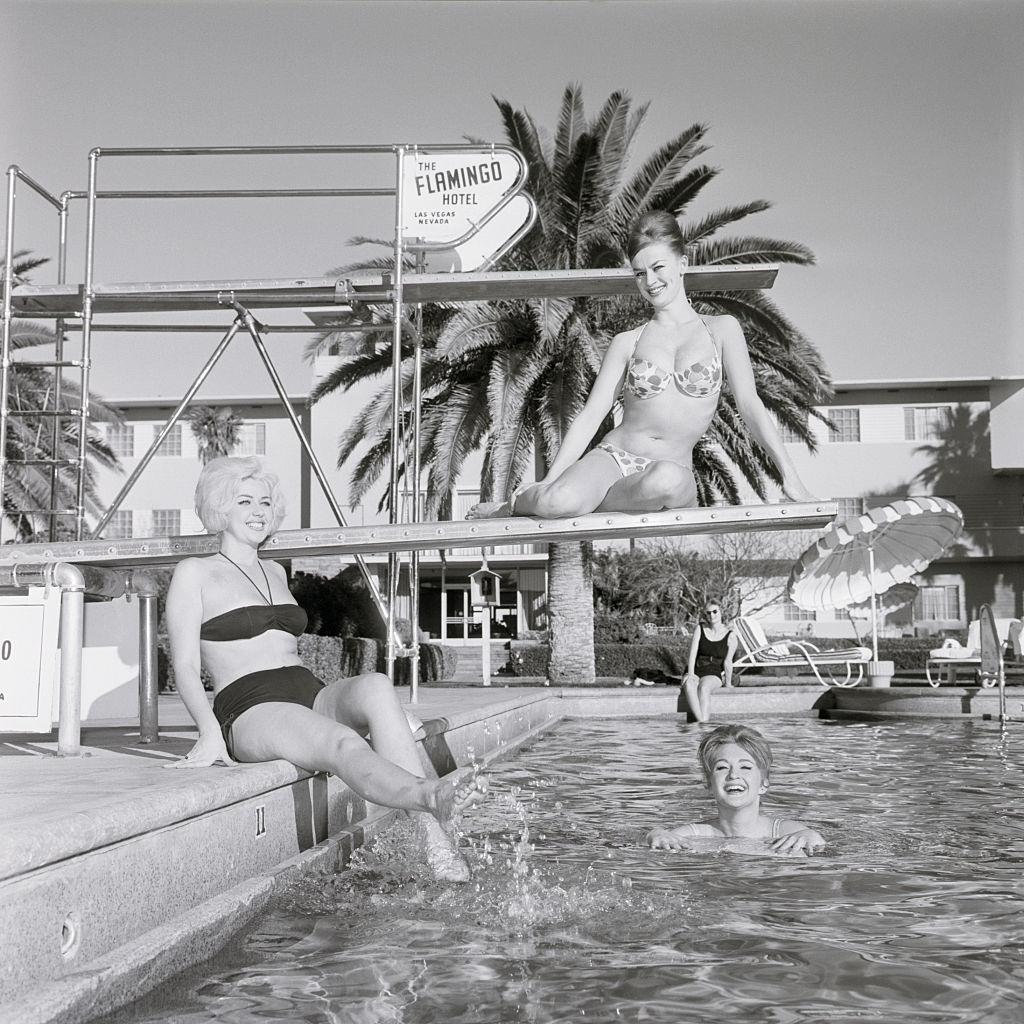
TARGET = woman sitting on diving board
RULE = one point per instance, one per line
(669, 374)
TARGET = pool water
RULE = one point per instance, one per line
(914, 912)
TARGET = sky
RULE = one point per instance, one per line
(888, 134)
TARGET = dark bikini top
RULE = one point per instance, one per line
(645, 379)
(252, 620)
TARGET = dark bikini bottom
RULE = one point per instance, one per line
(289, 684)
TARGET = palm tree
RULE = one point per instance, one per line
(27, 487)
(510, 376)
(216, 430)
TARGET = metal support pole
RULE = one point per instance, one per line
(5, 346)
(58, 377)
(253, 327)
(149, 719)
(87, 304)
(394, 563)
(175, 416)
(72, 637)
(417, 494)
(874, 600)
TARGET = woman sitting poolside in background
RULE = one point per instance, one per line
(233, 613)
(669, 374)
(709, 664)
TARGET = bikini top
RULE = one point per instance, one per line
(645, 379)
(252, 620)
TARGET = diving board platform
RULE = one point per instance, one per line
(470, 533)
(287, 293)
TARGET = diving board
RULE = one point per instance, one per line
(470, 533)
(287, 293)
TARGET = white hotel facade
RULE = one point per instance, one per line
(962, 439)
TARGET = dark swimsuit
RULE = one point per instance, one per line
(289, 684)
(711, 655)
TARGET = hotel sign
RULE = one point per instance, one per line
(28, 655)
(447, 195)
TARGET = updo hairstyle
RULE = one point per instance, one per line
(218, 486)
(743, 736)
(657, 227)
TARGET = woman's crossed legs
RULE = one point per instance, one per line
(596, 484)
(330, 738)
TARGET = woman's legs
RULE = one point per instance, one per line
(596, 484)
(661, 485)
(580, 489)
(698, 695)
(368, 703)
(327, 739)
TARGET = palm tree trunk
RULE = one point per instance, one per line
(570, 615)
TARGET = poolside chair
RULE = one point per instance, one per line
(953, 655)
(754, 651)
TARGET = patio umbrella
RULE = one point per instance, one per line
(898, 596)
(857, 558)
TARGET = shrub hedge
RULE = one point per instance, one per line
(649, 660)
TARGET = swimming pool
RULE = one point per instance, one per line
(913, 913)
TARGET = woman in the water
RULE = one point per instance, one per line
(669, 374)
(232, 612)
(736, 762)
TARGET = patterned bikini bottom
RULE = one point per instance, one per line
(629, 463)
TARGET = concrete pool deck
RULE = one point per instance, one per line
(116, 873)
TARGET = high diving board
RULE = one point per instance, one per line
(260, 293)
(471, 533)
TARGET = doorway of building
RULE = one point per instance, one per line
(461, 624)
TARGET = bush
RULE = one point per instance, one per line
(617, 629)
(340, 606)
(165, 670)
(650, 660)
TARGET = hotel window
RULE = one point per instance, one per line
(252, 439)
(925, 423)
(166, 522)
(121, 438)
(794, 613)
(789, 435)
(850, 506)
(172, 442)
(937, 604)
(845, 425)
(120, 525)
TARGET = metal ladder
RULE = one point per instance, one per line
(47, 408)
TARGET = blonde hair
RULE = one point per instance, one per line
(743, 736)
(218, 484)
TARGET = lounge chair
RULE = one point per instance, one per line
(754, 651)
(953, 655)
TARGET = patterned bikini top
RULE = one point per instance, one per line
(645, 379)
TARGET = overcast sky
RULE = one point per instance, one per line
(887, 134)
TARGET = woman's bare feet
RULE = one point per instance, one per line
(457, 792)
(490, 510)
(452, 795)
(441, 851)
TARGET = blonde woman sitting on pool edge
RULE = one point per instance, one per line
(668, 376)
(233, 613)
(736, 762)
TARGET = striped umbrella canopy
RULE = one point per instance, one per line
(898, 596)
(857, 558)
